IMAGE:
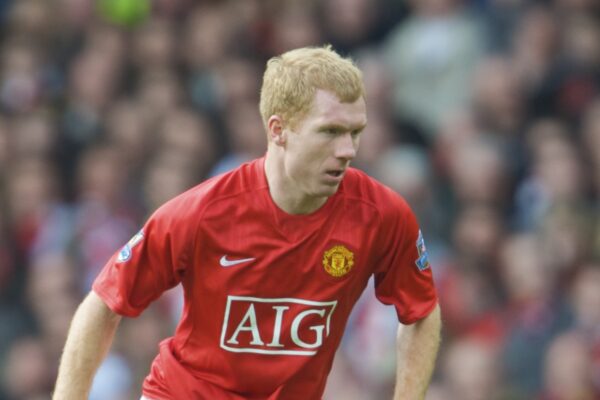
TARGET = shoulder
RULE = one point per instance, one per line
(397, 223)
(193, 203)
(360, 186)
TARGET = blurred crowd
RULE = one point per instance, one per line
(483, 114)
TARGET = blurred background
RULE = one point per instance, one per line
(483, 114)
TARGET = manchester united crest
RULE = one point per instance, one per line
(338, 261)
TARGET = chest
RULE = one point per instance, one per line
(248, 254)
(277, 290)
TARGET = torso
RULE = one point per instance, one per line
(269, 290)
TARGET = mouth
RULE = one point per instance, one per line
(335, 174)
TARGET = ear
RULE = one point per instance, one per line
(275, 130)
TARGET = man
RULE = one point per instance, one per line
(272, 257)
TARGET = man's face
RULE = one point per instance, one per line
(319, 149)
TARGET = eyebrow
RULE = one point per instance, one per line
(341, 128)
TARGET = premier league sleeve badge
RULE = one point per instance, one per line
(422, 262)
(125, 253)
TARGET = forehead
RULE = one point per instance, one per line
(328, 109)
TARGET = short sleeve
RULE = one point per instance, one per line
(403, 277)
(153, 261)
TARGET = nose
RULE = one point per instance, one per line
(346, 146)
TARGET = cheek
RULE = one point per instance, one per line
(318, 155)
(310, 150)
(356, 143)
(303, 161)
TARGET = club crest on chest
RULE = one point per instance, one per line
(338, 261)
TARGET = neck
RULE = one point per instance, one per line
(284, 192)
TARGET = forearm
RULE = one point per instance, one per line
(417, 346)
(90, 336)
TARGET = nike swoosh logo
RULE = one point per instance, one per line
(230, 263)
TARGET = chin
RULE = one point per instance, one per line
(328, 191)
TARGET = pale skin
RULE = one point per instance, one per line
(90, 336)
(303, 166)
(416, 350)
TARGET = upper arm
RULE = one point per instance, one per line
(94, 307)
(429, 325)
(153, 261)
(433, 319)
(93, 323)
(404, 277)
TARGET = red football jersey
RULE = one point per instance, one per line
(267, 294)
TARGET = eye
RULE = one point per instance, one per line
(330, 131)
(355, 133)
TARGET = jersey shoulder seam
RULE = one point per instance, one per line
(225, 197)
